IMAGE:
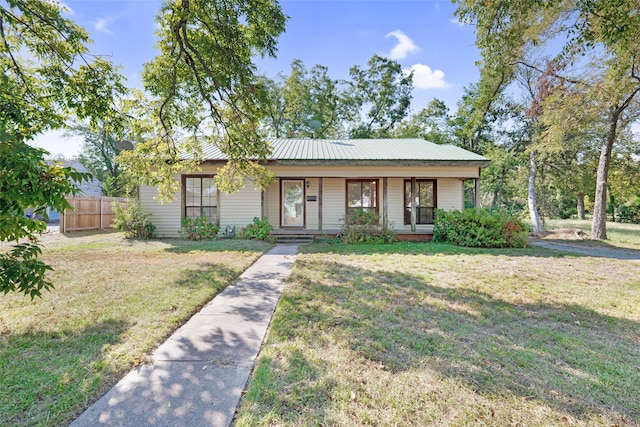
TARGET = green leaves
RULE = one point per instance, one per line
(46, 78)
(259, 229)
(130, 218)
(307, 104)
(385, 90)
(204, 88)
(479, 228)
(21, 271)
(47, 74)
(27, 181)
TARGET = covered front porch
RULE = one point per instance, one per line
(304, 207)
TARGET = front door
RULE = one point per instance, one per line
(292, 197)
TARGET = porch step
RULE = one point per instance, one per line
(293, 238)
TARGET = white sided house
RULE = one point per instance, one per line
(319, 181)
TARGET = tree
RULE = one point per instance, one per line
(307, 104)
(572, 130)
(383, 93)
(507, 31)
(46, 75)
(99, 154)
(204, 90)
(496, 181)
(432, 123)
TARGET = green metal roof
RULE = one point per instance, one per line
(360, 150)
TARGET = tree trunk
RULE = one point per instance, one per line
(599, 224)
(531, 198)
(471, 201)
(503, 172)
(580, 198)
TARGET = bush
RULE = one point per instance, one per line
(130, 218)
(479, 228)
(198, 229)
(259, 229)
(364, 227)
(629, 214)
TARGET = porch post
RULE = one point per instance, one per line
(217, 205)
(476, 202)
(385, 203)
(320, 204)
(413, 204)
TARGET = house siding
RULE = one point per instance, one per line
(450, 194)
(395, 198)
(312, 207)
(333, 203)
(165, 216)
(272, 204)
(238, 209)
(87, 188)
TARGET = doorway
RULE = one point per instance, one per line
(292, 203)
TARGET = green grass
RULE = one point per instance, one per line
(114, 301)
(618, 234)
(431, 334)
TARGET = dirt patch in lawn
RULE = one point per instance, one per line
(562, 234)
(577, 241)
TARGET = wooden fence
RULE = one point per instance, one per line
(89, 213)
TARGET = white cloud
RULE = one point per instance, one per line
(102, 25)
(404, 47)
(426, 78)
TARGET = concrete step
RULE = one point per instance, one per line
(293, 238)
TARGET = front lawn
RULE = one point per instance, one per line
(431, 334)
(114, 301)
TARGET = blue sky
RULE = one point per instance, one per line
(420, 34)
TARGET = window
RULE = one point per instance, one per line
(425, 201)
(362, 195)
(200, 197)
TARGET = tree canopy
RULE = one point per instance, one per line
(510, 34)
(204, 89)
(307, 104)
(47, 75)
(310, 104)
(384, 91)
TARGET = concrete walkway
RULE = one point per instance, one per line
(199, 373)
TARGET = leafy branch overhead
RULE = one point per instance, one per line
(47, 76)
(205, 90)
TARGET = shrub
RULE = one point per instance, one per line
(629, 214)
(364, 227)
(198, 229)
(479, 228)
(130, 218)
(326, 239)
(259, 229)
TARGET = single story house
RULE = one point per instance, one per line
(319, 181)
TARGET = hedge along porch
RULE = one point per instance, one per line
(319, 181)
